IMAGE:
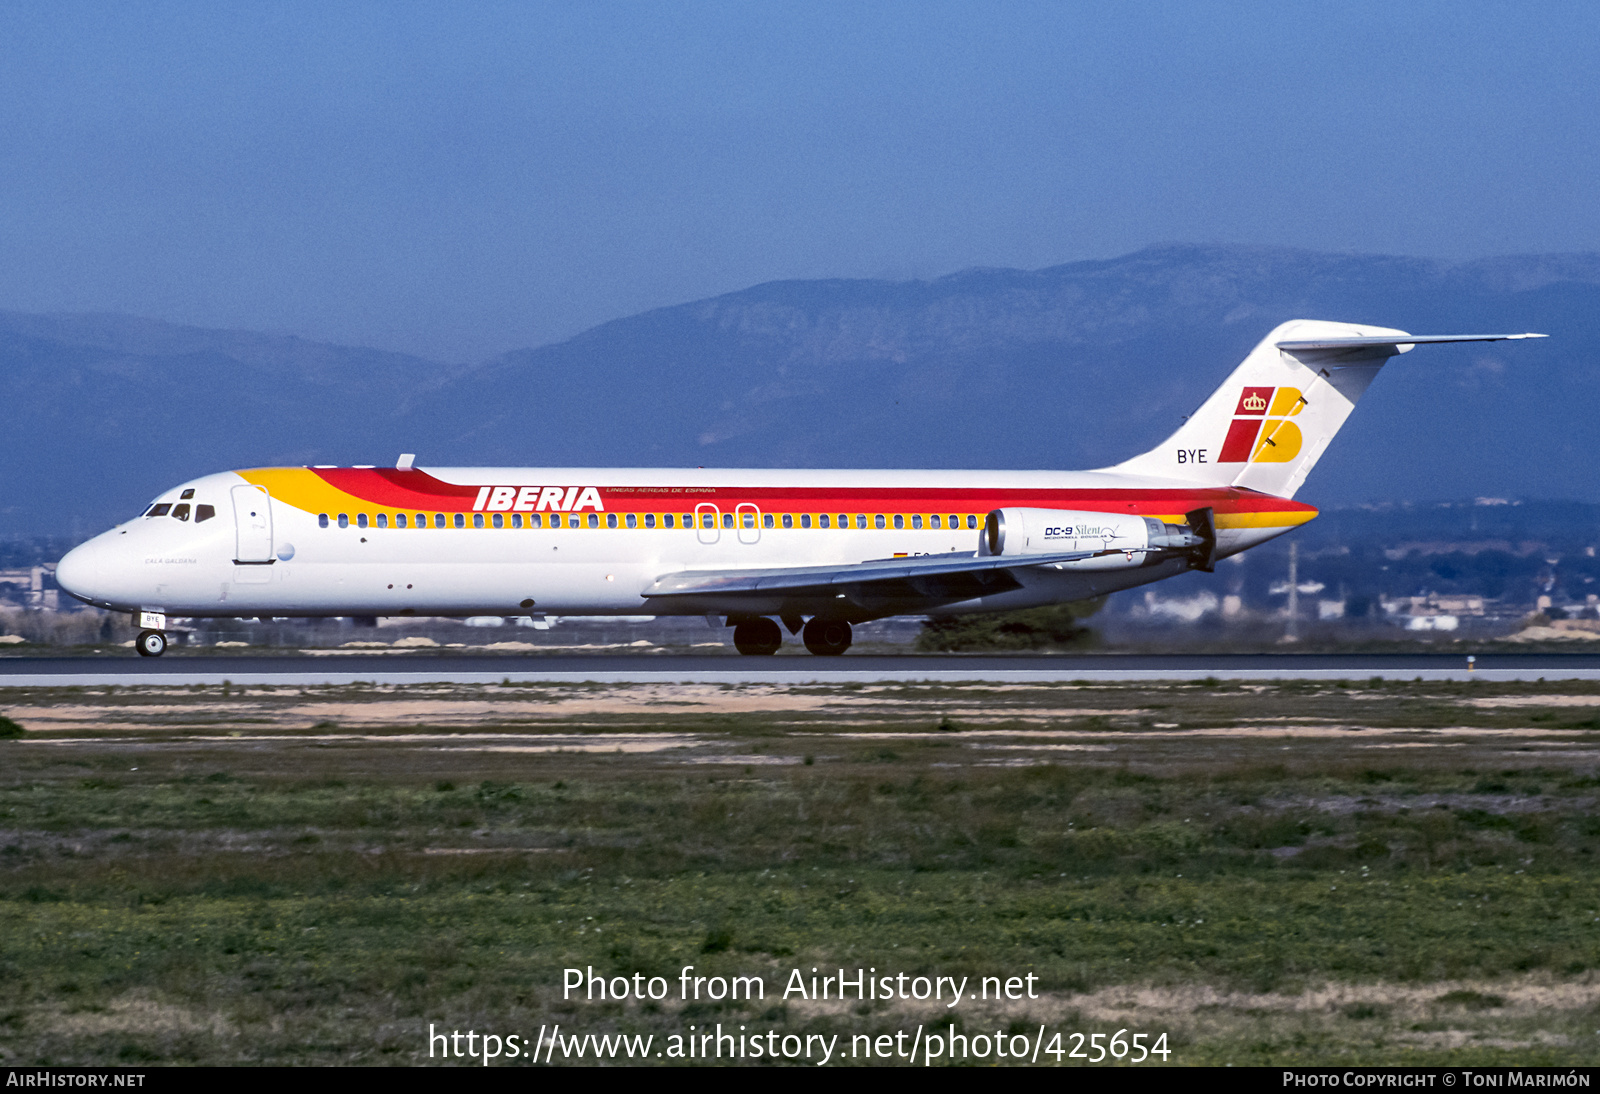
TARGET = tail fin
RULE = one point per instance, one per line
(1267, 426)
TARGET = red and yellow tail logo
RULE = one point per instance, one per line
(1261, 431)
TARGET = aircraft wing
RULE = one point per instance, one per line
(944, 571)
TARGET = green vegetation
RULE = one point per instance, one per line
(1055, 627)
(1369, 873)
(9, 730)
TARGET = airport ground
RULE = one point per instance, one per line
(1303, 871)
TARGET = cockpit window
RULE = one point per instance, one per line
(181, 512)
(160, 510)
(204, 512)
(187, 494)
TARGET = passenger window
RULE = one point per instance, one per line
(766, 520)
(460, 520)
(399, 520)
(749, 520)
(181, 512)
(477, 520)
(688, 520)
(344, 520)
(805, 520)
(535, 520)
(186, 495)
(160, 510)
(844, 521)
(438, 520)
(594, 520)
(666, 520)
(611, 520)
(383, 520)
(933, 521)
(972, 521)
(727, 520)
(499, 520)
(516, 520)
(822, 521)
(955, 522)
(422, 520)
(916, 522)
(322, 520)
(899, 521)
(877, 521)
(633, 520)
(649, 520)
(361, 520)
(204, 512)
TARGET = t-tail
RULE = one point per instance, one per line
(1267, 426)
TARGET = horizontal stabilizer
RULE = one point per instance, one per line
(1408, 340)
(788, 579)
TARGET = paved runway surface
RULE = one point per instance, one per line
(301, 669)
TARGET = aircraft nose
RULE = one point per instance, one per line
(79, 571)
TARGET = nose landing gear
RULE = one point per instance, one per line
(150, 643)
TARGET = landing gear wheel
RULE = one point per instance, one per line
(757, 636)
(150, 643)
(826, 637)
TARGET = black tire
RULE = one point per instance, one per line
(757, 637)
(827, 637)
(150, 643)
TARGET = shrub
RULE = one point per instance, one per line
(1030, 629)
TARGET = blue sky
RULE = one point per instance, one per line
(459, 179)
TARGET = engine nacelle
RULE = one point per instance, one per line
(1115, 541)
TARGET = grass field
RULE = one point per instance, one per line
(1266, 873)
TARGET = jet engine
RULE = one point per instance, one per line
(1110, 541)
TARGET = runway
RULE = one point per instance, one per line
(297, 669)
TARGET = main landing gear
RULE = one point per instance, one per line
(762, 637)
(150, 643)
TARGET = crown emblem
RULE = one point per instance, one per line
(1254, 402)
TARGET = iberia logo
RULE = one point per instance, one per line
(1261, 431)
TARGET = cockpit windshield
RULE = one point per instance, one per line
(159, 510)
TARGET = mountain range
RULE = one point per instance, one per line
(1074, 366)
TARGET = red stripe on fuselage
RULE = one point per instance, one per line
(417, 490)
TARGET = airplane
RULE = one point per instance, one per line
(818, 551)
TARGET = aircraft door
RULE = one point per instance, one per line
(707, 522)
(747, 518)
(252, 524)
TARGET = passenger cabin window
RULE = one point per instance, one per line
(955, 521)
(160, 510)
(666, 521)
(477, 520)
(399, 520)
(933, 521)
(916, 522)
(322, 520)
(361, 520)
(899, 521)
(344, 520)
(535, 520)
(594, 520)
(972, 521)
(204, 512)
(822, 521)
(461, 520)
(877, 521)
(186, 495)
(649, 520)
(844, 521)
(805, 520)
(727, 520)
(516, 520)
(611, 520)
(499, 521)
(181, 512)
(633, 520)
(383, 520)
(438, 520)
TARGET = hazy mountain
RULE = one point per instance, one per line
(1073, 366)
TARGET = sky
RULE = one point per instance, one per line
(457, 180)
